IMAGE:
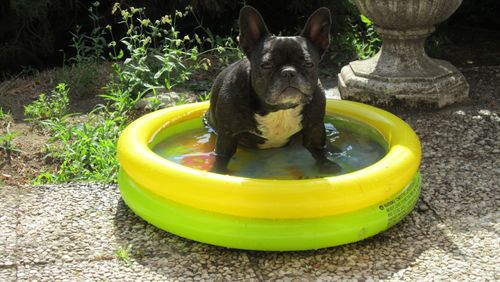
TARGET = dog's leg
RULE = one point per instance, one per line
(314, 140)
(225, 147)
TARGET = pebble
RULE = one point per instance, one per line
(485, 112)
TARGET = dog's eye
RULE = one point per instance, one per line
(266, 65)
(308, 65)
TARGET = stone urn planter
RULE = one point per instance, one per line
(401, 73)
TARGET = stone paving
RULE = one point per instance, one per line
(73, 232)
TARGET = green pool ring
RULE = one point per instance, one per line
(268, 234)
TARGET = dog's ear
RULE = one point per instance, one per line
(317, 29)
(252, 29)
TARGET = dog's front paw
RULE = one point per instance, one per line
(220, 166)
(220, 170)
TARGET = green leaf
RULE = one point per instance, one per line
(366, 20)
(120, 54)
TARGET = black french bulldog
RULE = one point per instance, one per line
(274, 93)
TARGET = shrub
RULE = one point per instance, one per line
(157, 56)
(84, 151)
(7, 145)
(49, 107)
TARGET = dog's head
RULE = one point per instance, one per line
(284, 70)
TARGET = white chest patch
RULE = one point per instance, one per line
(277, 127)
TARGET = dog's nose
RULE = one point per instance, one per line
(288, 72)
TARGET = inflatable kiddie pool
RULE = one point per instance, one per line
(269, 214)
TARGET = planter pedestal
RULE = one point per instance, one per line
(401, 73)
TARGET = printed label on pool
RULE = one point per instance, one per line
(402, 205)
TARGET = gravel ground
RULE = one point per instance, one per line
(72, 232)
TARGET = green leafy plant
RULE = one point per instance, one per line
(367, 43)
(159, 56)
(49, 107)
(360, 38)
(118, 95)
(156, 56)
(85, 151)
(204, 97)
(89, 47)
(81, 151)
(227, 48)
(356, 37)
(5, 117)
(123, 253)
(7, 144)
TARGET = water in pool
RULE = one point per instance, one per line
(353, 145)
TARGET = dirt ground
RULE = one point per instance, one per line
(21, 167)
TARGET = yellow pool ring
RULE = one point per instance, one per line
(271, 199)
